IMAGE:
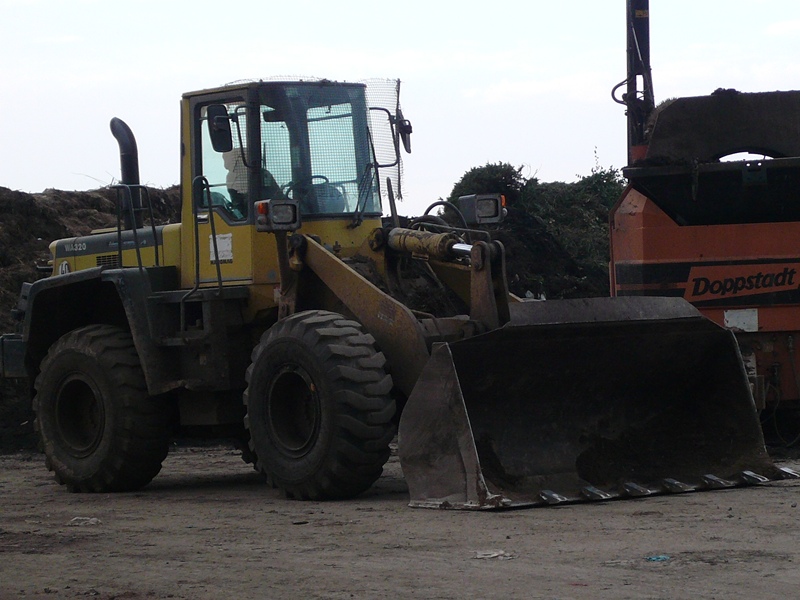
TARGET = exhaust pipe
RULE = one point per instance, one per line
(129, 167)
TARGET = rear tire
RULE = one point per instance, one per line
(99, 429)
(319, 410)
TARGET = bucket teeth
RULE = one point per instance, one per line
(716, 483)
(788, 473)
(592, 493)
(636, 490)
(550, 497)
(677, 487)
(752, 478)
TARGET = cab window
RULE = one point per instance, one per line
(227, 172)
(315, 149)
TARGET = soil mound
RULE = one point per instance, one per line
(28, 223)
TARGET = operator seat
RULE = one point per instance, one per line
(329, 198)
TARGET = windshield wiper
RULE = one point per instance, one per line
(364, 193)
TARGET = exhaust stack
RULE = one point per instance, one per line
(129, 167)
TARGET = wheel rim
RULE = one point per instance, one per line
(293, 411)
(80, 417)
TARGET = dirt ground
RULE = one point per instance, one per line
(208, 528)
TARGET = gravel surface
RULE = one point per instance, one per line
(207, 528)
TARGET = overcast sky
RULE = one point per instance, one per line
(524, 82)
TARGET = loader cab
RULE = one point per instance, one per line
(309, 141)
(306, 141)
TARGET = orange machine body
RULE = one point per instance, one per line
(744, 276)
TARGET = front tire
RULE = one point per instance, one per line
(99, 429)
(319, 410)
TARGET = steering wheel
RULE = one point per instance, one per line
(288, 187)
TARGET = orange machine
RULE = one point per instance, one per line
(723, 234)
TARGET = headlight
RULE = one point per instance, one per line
(277, 215)
(481, 209)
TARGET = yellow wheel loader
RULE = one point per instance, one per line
(285, 312)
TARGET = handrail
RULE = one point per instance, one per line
(125, 189)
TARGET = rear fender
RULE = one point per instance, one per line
(59, 304)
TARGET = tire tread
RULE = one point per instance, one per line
(142, 441)
(361, 387)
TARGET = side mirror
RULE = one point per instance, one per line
(219, 128)
(482, 209)
(404, 129)
(277, 215)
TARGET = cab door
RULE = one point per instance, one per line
(221, 189)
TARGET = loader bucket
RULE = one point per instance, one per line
(582, 400)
